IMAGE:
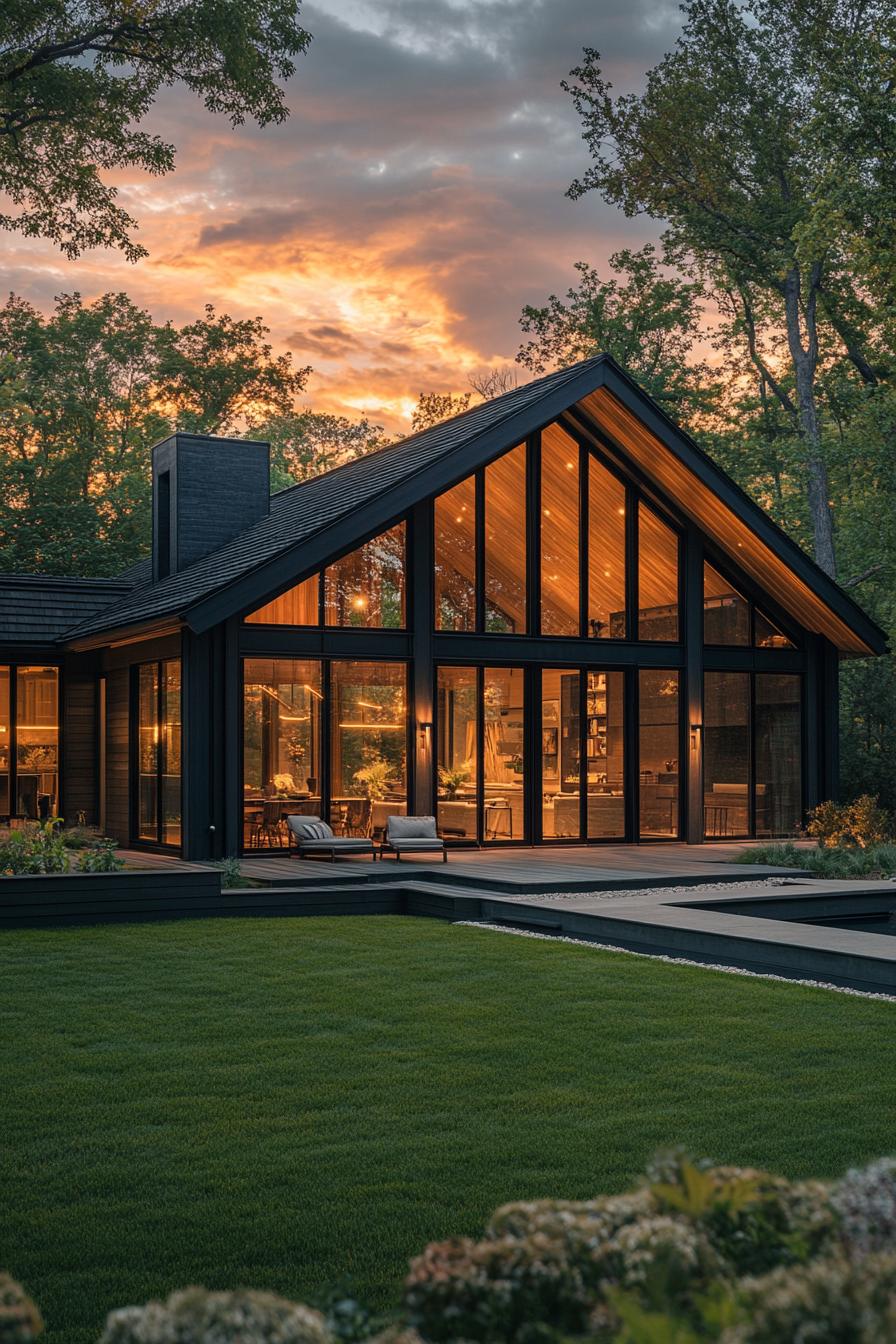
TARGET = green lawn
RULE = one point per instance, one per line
(287, 1103)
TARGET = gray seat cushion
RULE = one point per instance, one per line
(420, 845)
(340, 844)
(309, 828)
(411, 828)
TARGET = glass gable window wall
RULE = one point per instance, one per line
(366, 588)
(574, 510)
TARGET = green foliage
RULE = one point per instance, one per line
(78, 76)
(38, 847)
(20, 1320)
(455, 777)
(834, 1301)
(434, 407)
(308, 443)
(836, 863)
(100, 859)
(647, 318)
(373, 778)
(90, 388)
(861, 824)
(195, 1316)
(231, 875)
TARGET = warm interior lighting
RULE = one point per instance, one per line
(359, 602)
(311, 691)
(35, 726)
(374, 727)
(294, 718)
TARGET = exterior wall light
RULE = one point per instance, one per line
(425, 730)
(696, 730)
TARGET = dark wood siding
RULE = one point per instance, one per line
(117, 754)
(79, 740)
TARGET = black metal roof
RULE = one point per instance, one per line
(36, 610)
(311, 523)
(303, 510)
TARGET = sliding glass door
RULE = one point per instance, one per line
(481, 785)
(582, 753)
(752, 756)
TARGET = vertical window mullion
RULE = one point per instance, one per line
(326, 746)
(584, 674)
(480, 751)
(584, 539)
(533, 534)
(160, 752)
(480, 550)
(13, 740)
(751, 747)
(631, 563)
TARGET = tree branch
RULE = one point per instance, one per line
(865, 574)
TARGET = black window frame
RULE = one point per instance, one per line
(135, 839)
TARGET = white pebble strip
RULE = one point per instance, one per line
(673, 961)
(695, 889)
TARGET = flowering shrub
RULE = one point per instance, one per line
(37, 848)
(195, 1316)
(622, 1263)
(833, 1301)
(865, 1205)
(860, 824)
(20, 1320)
(697, 1253)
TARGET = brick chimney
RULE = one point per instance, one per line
(205, 491)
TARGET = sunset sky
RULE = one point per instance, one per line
(392, 230)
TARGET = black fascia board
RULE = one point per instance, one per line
(384, 510)
(730, 493)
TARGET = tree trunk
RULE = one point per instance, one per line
(805, 364)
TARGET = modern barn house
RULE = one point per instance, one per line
(551, 619)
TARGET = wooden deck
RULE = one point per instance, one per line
(530, 869)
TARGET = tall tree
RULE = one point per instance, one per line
(307, 443)
(645, 317)
(729, 144)
(434, 407)
(77, 77)
(84, 394)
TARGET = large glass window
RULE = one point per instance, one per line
(297, 606)
(726, 614)
(606, 553)
(282, 702)
(767, 635)
(37, 741)
(561, 754)
(559, 533)
(368, 744)
(604, 717)
(505, 544)
(367, 587)
(5, 741)
(158, 752)
(657, 577)
(778, 754)
(726, 753)
(455, 557)
(503, 760)
(575, 748)
(659, 738)
(457, 752)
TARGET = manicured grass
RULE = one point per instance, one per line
(286, 1103)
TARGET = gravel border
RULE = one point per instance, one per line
(673, 961)
(694, 889)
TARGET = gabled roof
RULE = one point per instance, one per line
(309, 523)
(36, 610)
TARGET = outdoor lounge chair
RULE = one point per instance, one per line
(413, 835)
(313, 836)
